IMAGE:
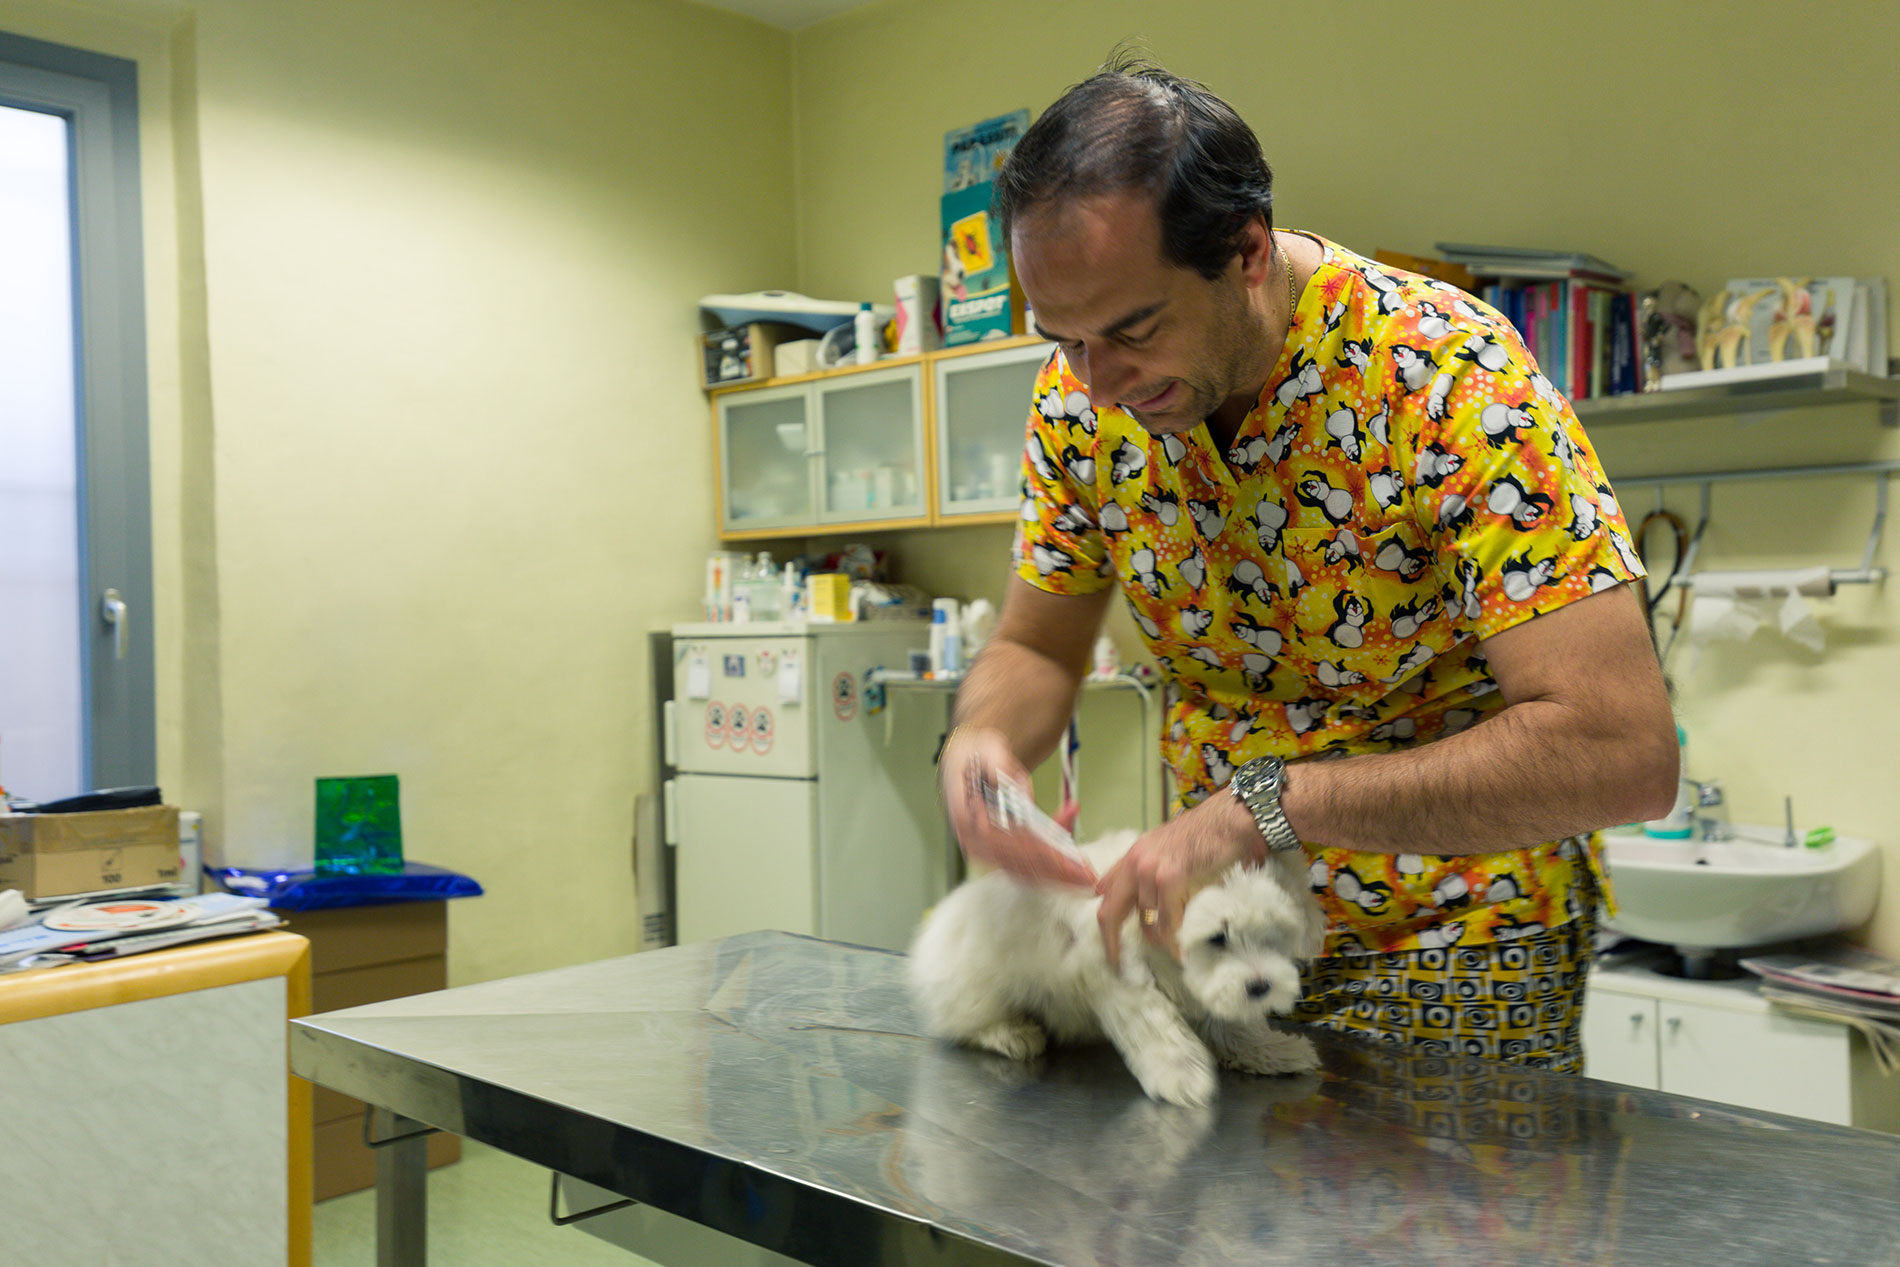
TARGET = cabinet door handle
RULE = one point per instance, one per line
(1675, 1024)
(1636, 1018)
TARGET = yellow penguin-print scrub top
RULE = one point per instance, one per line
(1408, 485)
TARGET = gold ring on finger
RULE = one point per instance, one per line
(1149, 915)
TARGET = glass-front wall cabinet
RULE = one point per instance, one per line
(767, 444)
(983, 404)
(873, 460)
(845, 450)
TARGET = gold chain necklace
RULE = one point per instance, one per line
(1292, 295)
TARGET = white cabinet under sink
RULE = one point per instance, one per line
(1721, 1041)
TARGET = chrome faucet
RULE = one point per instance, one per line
(1710, 811)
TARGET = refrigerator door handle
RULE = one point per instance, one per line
(669, 811)
(669, 733)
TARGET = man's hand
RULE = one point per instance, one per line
(970, 752)
(1161, 870)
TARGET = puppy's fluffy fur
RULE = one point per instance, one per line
(1005, 966)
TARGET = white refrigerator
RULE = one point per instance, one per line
(803, 797)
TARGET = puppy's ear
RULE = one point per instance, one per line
(1313, 927)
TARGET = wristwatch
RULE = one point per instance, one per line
(1257, 785)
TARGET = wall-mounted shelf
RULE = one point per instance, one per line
(1834, 386)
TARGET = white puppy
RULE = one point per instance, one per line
(1004, 966)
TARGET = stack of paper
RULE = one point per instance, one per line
(105, 930)
(1839, 983)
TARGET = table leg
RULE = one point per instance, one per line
(402, 1203)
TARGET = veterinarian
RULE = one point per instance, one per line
(1371, 550)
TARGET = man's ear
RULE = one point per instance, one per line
(1256, 256)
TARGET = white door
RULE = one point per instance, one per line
(1773, 1062)
(1619, 1039)
(746, 855)
(76, 667)
(744, 706)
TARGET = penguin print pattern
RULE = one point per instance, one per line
(1407, 485)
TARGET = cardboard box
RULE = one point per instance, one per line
(740, 354)
(800, 356)
(980, 294)
(54, 855)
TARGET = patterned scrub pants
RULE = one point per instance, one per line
(1520, 1001)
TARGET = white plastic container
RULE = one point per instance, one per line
(867, 336)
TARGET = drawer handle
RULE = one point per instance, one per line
(1675, 1023)
(1636, 1018)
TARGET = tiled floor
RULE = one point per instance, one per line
(486, 1210)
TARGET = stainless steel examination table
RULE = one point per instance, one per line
(774, 1088)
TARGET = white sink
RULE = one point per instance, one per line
(1704, 895)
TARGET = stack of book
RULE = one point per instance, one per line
(1838, 982)
(1574, 311)
(87, 932)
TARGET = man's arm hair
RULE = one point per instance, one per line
(1586, 740)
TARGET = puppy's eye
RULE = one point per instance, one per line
(1218, 941)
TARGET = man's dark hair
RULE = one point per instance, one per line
(1135, 126)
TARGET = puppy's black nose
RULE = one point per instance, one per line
(1258, 989)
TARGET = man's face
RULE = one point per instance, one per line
(1160, 341)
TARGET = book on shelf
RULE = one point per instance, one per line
(1517, 261)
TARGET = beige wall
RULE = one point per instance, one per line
(1669, 140)
(429, 452)
(428, 456)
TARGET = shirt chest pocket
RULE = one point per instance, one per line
(1366, 606)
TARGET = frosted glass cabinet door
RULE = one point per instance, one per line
(871, 429)
(766, 447)
(983, 404)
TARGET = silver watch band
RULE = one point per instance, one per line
(1257, 786)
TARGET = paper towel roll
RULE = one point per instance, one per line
(1734, 605)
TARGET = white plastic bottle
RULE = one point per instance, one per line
(867, 336)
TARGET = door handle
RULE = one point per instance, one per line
(113, 611)
(669, 813)
(669, 741)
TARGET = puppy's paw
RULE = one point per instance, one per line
(1184, 1077)
(1269, 1052)
(1018, 1038)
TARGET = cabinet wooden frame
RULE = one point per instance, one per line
(928, 474)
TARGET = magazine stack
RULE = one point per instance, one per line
(1838, 982)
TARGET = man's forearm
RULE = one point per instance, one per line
(1536, 771)
(1022, 693)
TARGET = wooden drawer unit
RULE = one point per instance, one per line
(358, 955)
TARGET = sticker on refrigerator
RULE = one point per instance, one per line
(791, 683)
(735, 666)
(761, 730)
(768, 661)
(698, 676)
(738, 726)
(715, 725)
(844, 696)
(873, 694)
